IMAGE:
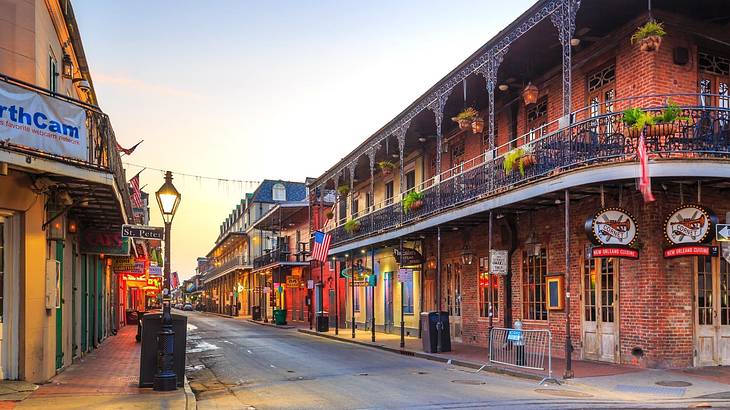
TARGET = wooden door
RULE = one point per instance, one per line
(453, 299)
(712, 311)
(600, 309)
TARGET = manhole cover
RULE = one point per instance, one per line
(563, 393)
(290, 371)
(673, 383)
(362, 374)
(421, 372)
(470, 382)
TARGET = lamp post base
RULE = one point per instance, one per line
(165, 379)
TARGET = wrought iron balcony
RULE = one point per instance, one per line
(239, 262)
(282, 255)
(700, 132)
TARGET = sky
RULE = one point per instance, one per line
(253, 90)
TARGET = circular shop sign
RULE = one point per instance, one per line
(613, 227)
(688, 224)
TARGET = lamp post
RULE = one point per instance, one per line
(168, 198)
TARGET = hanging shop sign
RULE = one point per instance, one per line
(405, 275)
(689, 224)
(155, 271)
(360, 275)
(498, 262)
(691, 250)
(108, 243)
(613, 252)
(129, 265)
(722, 232)
(407, 257)
(44, 123)
(612, 227)
(143, 232)
(293, 282)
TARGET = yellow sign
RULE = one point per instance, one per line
(293, 282)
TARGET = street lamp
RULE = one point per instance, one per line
(168, 198)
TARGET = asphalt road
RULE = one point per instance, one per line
(236, 364)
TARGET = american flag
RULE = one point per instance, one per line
(644, 180)
(321, 246)
(136, 192)
(175, 280)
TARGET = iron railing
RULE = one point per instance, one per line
(102, 152)
(238, 262)
(701, 132)
(282, 255)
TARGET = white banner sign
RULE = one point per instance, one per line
(498, 262)
(405, 275)
(43, 123)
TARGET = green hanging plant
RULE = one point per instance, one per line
(511, 159)
(465, 118)
(649, 36)
(343, 190)
(351, 226)
(412, 201)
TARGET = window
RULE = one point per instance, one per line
(369, 201)
(278, 192)
(332, 265)
(537, 118)
(453, 290)
(534, 270)
(484, 296)
(408, 296)
(410, 180)
(715, 79)
(343, 210)
(457, 153)
(389, 193)
(52, 73)
(355, 207)
(602, 93)
(589, 289)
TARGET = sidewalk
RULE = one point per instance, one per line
(106, 379)
(598, 379)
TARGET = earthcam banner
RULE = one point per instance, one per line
(43, 123)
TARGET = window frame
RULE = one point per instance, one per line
(534, 300)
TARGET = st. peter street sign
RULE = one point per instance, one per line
(142, 232)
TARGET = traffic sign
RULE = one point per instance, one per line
(722, 232)
(142, 232)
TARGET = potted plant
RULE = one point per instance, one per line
(413, 201)
(343, 190)
(649, 36)
(387, 167)
(351, 226)
(522, 157)
(329, 214)
(528, 158)
(465, 118)
(664, 124)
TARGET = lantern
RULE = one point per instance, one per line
(67, 68)
(530, 94)
(477, 126)
(168, 198)
(467, 257)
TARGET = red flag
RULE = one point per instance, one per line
(136, 192)
(175, 280)
(644, 180)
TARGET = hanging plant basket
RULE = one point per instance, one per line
(465, 118)
(343, 190)
(329, 215)
(660, 129)
(528, 160)
(386, 167)
(351, 226)
(413, 201)
(649, 36)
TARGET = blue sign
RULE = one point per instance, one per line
(514, 335)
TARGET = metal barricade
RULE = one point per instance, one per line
(526, 349)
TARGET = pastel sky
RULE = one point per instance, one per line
(242, 89)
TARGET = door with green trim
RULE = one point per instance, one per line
(99, 300)
(84, 302)
(59, 308)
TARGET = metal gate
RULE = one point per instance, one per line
(526, 349)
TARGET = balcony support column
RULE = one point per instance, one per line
(400, 134)
(371, 158)
(563, 19)
(351, 168)
(438, 110)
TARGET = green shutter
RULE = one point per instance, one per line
(59, 310)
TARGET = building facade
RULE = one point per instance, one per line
(63, 196)
(546, 172)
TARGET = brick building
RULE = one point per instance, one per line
(551, 147)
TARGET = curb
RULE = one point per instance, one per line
(429, 356)
(190, 402)
(270, 324)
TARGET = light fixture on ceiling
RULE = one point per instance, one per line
(575, 42)
(421, 139)
(530, 93)
(503, 87)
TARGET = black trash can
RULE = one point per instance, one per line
(256, 313)
(152, 324)
(430, 329)
(323, 321)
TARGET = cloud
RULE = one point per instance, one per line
(121, 80)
